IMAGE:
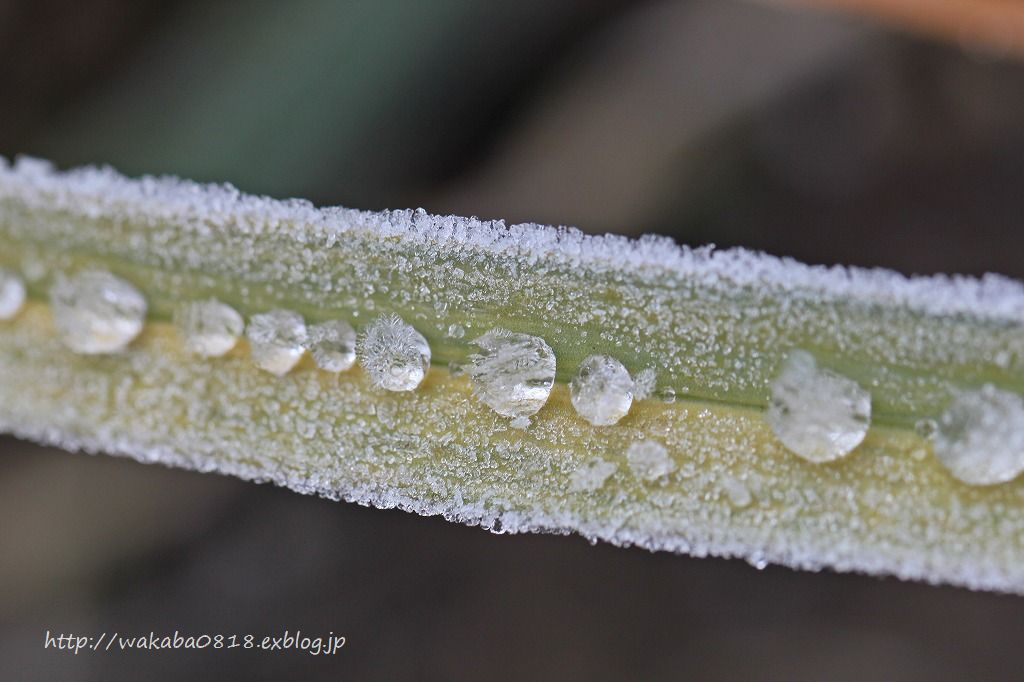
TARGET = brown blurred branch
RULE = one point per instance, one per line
(996, 25)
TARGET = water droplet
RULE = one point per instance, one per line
(667, 394)
(96, 312)
(456, 331)
(926, 428)
(649, 460)
(277, 339)
(602, 390)
(332, 345)
(394, 354)
(591, 475)
(210, 328)
(818, 414)
(737, 492)
(12, 294)
(644, 383)
(981, 436)
(514, 373)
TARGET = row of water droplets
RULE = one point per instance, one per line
(816, 413)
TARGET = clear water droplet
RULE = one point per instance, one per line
(980, 438)
(644, 383)
(591, 476)
(818, 414)
(332, 345)
(736, 490)
(96, 312)
(602, 390)
(926, 428)
(649, 460)
(12, 294)
(210, 328)
(667, 394)
(394, 354)
(514, 373)
(277, 339)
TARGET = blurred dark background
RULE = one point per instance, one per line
(824, 136)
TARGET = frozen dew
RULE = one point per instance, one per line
(980, 438)
(520, 423)
(590, 476)
(926, 428)
(818, 414)
(736, 491)
(12, 294)
(667, 395)
(277, 339)
(394, 354)
(210, 328)
(96, 312)
(649, 460)
(514, 373)
(456, 331)
(602, 390)
(644, 383)
(332, 345)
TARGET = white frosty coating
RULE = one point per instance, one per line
(737, 492)
(204, 207)
(12, 294)
(602, 390)
(333, 345)
(277, 339)
(514, 373)
(210, 328)
(394, 354)
(817, 414)
(649, 460)
(981, 436)
(96, 312)
(591, 476)
(644, 383)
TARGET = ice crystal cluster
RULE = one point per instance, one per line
(771, 416)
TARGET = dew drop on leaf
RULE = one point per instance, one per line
(332, 345)
(278, 340)
(602, 390)
(980, 438)
(818, 414)
(394, 354)
(96, 312)
(210, 328)
(513, 374)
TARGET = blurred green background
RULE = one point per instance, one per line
(819, 136)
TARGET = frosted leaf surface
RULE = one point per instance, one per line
(591, 475)
(649, 460)
(980, 438)
(644, 383)
(737, 492)
(96, 312)
(209, 327)
(394, 354)
(12, 294)
(602, 390)
(816, 413)
(333, 345)
(513, 374)
(277, 339)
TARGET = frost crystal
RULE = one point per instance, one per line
(737, 492)
(602, 390)
(96, 312)
(210, 328)
(514, 373)
(333, 345)
(644, 383)
(277, 339)
(649, 460)
(394, 354)
(817, 414)
(980, 438)
(12, 294)
(590, 476)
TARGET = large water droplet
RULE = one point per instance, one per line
(590, 476)
(514, 373)
(12, 294)
(210, 328)
(277, 339)
(816, 413)
(394, 354)
(333, 345)
(96, 312)
(649, 460)
(981, 436)
(602, 390)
